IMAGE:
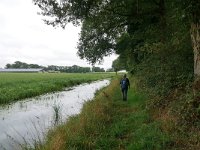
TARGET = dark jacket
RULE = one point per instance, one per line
(125, 83)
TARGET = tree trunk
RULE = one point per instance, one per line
(195, 36)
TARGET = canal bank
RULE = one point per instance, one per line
(107, 122)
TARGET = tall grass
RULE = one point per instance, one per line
(57, 113)
(16, 86)
(107, 122)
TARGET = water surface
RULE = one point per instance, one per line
(30, 119)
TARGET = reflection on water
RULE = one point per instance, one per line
(29, 119)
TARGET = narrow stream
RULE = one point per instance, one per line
(30, 119)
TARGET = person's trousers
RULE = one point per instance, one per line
(124, 94)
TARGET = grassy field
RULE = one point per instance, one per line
(16, 86)
(109, 123)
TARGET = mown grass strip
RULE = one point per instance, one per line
(109, 123)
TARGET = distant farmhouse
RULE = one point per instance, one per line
(22, 70)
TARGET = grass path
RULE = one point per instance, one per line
(109, 123)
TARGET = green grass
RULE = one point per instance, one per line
(109, 123)
(16, 86)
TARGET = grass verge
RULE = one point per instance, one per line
(109, 123)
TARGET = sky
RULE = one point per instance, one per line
(25, 37)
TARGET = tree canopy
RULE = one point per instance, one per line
(140, 31)
(103, 21)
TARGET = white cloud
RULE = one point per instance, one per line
(25, 37)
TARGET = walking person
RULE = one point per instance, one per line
(125, 84)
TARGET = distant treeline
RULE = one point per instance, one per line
(69, 69)
(22, 65)
(74, 69)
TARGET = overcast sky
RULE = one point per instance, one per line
(24, 37)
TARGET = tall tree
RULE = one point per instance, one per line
(193, 10)
(117, 65)
(103, 21)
